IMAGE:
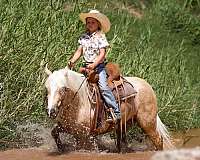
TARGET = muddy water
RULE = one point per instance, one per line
(187, 139)
(36, 154)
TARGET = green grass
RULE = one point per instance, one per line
(158, 47)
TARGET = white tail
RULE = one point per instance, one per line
(162, 130)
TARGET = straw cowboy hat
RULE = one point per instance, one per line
(103, 19)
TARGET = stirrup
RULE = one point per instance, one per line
(111, 118)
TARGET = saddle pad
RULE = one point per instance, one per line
(123, 91)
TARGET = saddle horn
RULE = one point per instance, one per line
(47, 71)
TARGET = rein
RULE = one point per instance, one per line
(79, 88)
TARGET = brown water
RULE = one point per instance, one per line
(188, 139)
(36, 154)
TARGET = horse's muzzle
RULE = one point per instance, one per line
(52, 113)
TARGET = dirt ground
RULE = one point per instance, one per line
(187, 140)
(41, 154)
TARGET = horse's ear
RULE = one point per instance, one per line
(47, 71)
(67, 68)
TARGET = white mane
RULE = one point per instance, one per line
(78, 83)
(70, 79)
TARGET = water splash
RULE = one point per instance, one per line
(34, 135)
(38, 135)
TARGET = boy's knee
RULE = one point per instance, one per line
(104, 88)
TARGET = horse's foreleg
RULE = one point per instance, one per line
(55, 134)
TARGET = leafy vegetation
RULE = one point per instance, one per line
(160, 44)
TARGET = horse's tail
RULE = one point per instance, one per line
(162, 130)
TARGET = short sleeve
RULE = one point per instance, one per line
(102, 41)
(82, 39)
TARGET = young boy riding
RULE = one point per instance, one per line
(92, 46)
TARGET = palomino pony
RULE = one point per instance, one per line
(69, 105)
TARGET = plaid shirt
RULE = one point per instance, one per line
(92, 43)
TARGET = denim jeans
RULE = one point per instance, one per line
(105, 90)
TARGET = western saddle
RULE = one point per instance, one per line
(121, 88)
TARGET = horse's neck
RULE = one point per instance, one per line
(78, 84)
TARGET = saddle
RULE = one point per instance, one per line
(121, 88)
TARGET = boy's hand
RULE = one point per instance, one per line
(91, 66)
(70, 64)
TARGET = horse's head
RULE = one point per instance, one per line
(56, 85)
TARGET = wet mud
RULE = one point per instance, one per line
(48, 151)
(41, 154)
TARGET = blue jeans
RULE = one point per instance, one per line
(105, 90)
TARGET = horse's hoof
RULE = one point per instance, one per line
(61, 149)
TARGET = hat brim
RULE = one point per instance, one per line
(104, 21)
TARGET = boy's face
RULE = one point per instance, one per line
(92, 24)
